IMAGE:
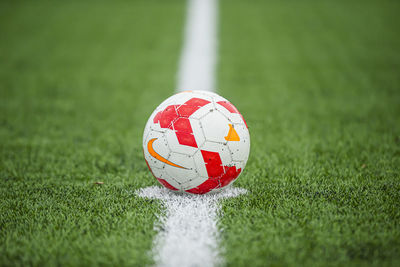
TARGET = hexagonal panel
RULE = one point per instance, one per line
(215, 127)
(181, 175)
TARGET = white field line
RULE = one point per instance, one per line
(188, 232)
(198, 59)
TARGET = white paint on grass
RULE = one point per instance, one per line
(188, 233)
(198, 59)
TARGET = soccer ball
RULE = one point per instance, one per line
(197, 142)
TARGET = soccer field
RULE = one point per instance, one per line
(317, 81)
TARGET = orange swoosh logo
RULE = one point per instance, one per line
(158, 156)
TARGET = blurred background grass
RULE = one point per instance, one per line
(319, 85)
(77, 83)
(317, 81)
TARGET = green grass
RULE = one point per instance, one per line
(319, 85)
(77, 83)
(317, 81)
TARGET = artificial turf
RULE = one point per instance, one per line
(77, 83)
(317, 81)
(319, 85)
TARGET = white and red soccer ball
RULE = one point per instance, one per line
(197, 142)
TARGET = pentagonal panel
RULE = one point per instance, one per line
(215, 127)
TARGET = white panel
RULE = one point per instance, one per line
(215, 127)
(193, 182)
(200, 166)
(197, 131)
(156, 171)
(165, 176)
(203, 111)
(160, 146)
(179, 174)
(240, 149)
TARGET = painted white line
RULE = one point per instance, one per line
(188, 233)
(198, 59)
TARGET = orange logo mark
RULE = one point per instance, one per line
(158, 156)
(232, 134)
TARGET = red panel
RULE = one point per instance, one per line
(191, 106)
(205, 187)
(167, 116)
(198, 102)
(219, 176)
(213, 163)
(187, 111)
(182, 127)
(166, 184)
(157, 117)
(231, 173)
(184, 132)
(228, 106)
(186, 139)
